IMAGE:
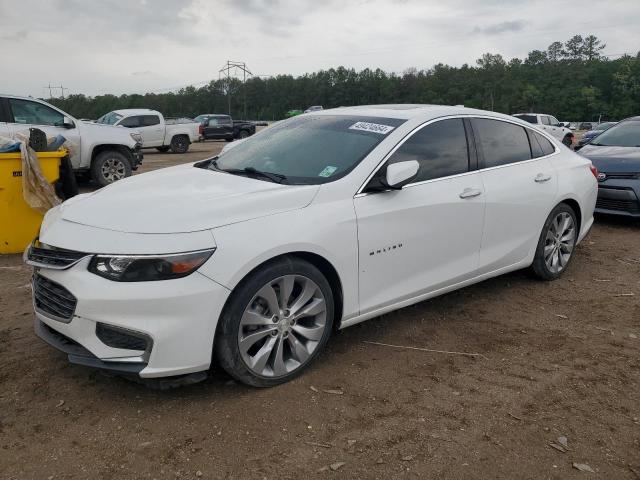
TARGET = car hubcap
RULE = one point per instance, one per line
(559, 242)
(113, 169)
(282, 326)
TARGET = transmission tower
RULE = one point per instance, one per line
(234, 69)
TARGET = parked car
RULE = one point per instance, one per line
(255, 256)
(157, 132)
(222, 127)
(616, 154)
(574, 126)
(591, 134)
(550, 125)
(315, 108)
(105, 153)
(585, 126)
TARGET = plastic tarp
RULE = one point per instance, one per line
(37, 192)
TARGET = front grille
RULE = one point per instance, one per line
(52, 299)
(630, 206)
(119, 338)
(623, 176)
(52, 257)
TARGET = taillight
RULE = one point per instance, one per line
(200, 129)
(594, 170)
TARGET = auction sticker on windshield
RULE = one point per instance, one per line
(328, 171)
(371, 127)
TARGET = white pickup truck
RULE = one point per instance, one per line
(549, 124)
(158, 133)
(106, 153)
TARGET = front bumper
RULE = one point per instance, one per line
(179, 317)
(136, 157)
(619, 198)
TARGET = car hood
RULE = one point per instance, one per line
(613, 159)
(183, 199)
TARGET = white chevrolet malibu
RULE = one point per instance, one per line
(251, 259)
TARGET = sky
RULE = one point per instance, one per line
(136, 46)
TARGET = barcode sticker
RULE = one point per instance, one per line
(372, 127)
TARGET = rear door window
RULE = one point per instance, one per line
(440, 149)
(34, 113)
(545, 120)
(501, 143)
(150, 120)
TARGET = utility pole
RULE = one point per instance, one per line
(226, 72)
(62, 89)
(49, 87)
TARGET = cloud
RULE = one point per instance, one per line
(15, 36)
(502, 27)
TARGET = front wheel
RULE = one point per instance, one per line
(243, 134)
(275, 324)
(568, 140)
(180, 144)
(110, 166)
(556, 244)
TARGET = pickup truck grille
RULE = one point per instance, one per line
(52, 299)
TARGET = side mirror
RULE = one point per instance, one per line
(67, 122)
(399, 173)
(205, 123)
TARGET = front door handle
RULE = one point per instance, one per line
(470, 193)
(541, 178)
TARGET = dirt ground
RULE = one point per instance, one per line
(559, 359)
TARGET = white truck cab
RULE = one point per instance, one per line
(549, 124)
(157, 132)
(106, 153)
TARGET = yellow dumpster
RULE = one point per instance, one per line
(19, 223)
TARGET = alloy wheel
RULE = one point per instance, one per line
(113, 169)
(559, 242)
(282, 326)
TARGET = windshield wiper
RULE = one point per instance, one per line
(272, 177)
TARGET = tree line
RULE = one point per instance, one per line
(572, 81)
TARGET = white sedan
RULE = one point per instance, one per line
(251, 259)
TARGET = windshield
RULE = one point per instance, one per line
(527, 118)
(109, 119)
(624, 134)
(310, 149)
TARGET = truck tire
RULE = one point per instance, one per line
(228, 139)
(163, 149)
(568, 140)
(180, 144)
(110, 166)
(243, 134)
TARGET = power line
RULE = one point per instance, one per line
(226, 72)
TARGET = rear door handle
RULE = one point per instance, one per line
(541, 178)
(470, 193)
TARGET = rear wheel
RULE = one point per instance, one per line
(568, 140)
(243, 134)
(556, 244)
(110, 166)
(180, 144)
(275, 324)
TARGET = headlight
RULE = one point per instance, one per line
(148, 268)
(137, 137)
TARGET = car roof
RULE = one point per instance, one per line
(408, 111)
(135, 111)
(546, 114)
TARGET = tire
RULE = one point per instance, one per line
(163, 149)
(243, 134)
(228, 139)
(180, 144)
(250, 338)
(553, 254)
(110, 166)
(568, 140)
